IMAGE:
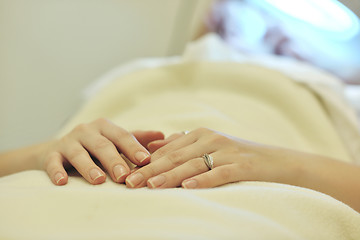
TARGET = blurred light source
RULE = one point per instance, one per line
(328, 16)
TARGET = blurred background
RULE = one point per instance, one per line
(50, 50)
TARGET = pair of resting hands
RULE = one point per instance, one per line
(162, 163)
(178, 161)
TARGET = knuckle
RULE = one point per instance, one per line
(225, 173)
(202, 130)
(217, 140)
(83, 127)
(101, 143)
(148, 171)
(246, 165)
(101, 121)
(121, 133)
(52, 156)
(172, 176)
(205, 181)
(175, 158)
(158, 154)
(75, 154)
(198, 165)
(49, 159)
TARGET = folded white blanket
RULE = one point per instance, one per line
(244, 100)
(325, 86)
(32, 208)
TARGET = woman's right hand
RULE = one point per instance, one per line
(104, 141)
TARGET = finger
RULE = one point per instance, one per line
(55, 169)
(146, 137)
(125, 142)
(174, 177)
(177, 143)
(216, 177)
(174, 136)
(134, 169)
(138, 178)
(106, 152)
(81, 160)
(155, 145)
(164, 164)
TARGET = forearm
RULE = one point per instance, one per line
(335, 178)
(22, 159)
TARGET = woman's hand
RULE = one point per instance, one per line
(178, 161)
(104, 141)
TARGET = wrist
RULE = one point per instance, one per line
(289, 167)
(38, 155)
(23, 159)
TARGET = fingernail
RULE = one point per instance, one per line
(157, 181)
(119, 171)
(95, 174)
(141, 156)
(190, 183)
(135, 179)
(58, 177)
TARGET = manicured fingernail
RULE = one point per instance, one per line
(141, 156)
(135, 179)
(119, 171)
(157, 181)
(58, 177)
(95, 174)
(190, 183)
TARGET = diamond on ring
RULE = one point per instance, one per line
(208, 161)
(185, 132)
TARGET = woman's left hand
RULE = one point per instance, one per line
(178, 161)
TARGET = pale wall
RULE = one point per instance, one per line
(51, 49)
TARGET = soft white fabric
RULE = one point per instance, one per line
(32, 208)
(324, 85)
(244, 100)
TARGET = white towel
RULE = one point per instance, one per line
(244, 100)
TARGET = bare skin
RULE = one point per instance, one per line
(177, 161)
(101, 139)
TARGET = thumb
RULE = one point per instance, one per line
(146, 137)
(155, 145)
